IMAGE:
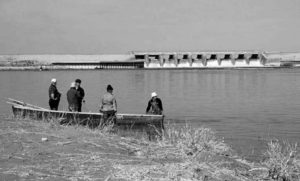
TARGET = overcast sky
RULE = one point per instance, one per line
(119, 26)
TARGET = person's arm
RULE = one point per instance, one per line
(51, 92)
(83, 94)
(101, 104)
(58, 95)
(52, 96)
(115, 105)
(68, 98)
(148, 107)
(160, 105)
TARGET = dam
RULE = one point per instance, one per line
(151, 60)
(202, 59)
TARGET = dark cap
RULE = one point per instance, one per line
(78, 81)
(109, 87)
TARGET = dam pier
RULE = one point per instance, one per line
(151, 60)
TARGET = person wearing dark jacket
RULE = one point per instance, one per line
(154, 105)
(54, 95)
(80, 91)
(72, 97)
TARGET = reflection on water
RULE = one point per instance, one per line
(244, 106)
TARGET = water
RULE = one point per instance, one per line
(246, 107)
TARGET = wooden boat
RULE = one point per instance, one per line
(93, 120)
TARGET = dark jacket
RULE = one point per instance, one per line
(80, 94)
(72, 97)
(154, 106)
(53, 90)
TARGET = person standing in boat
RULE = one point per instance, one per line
(54, 95)
(81, 94)
(154, 105)
(108, 105)
(72, 97)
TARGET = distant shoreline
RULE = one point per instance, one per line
(140, 60)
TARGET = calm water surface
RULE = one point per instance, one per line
(246, 107)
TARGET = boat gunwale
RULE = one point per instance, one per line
(86, 113)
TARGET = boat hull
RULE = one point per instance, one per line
(93, 120)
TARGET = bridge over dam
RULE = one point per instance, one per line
(152, 60)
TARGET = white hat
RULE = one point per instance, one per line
(53, 80)
(72, 84)
(153, 94)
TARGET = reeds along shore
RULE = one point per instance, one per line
(177, 154)
(197, 154)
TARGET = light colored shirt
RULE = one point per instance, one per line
(109, 102)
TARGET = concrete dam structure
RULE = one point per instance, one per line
(152, 60)
(202, 59)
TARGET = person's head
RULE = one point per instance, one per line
(53, 81)
(154, 95)
(77, 82)
(109, 88)
(73, 85)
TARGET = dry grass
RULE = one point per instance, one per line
(184, 154)
(77, 152)
(282, 161)
(70, 152)
(191, 141)
(197, 154)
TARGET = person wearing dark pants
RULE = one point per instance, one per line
(109, 116)
(72, 97)
(108, 106)
(54, 95)
(80, 94)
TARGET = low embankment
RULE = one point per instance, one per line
(49, 151)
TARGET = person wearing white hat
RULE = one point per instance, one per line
(72, 97)
(154, 105)
(54, 95)
(153, 94)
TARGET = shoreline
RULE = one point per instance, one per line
(71, 152)
(289, 65)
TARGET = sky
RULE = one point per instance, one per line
(121, 26)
